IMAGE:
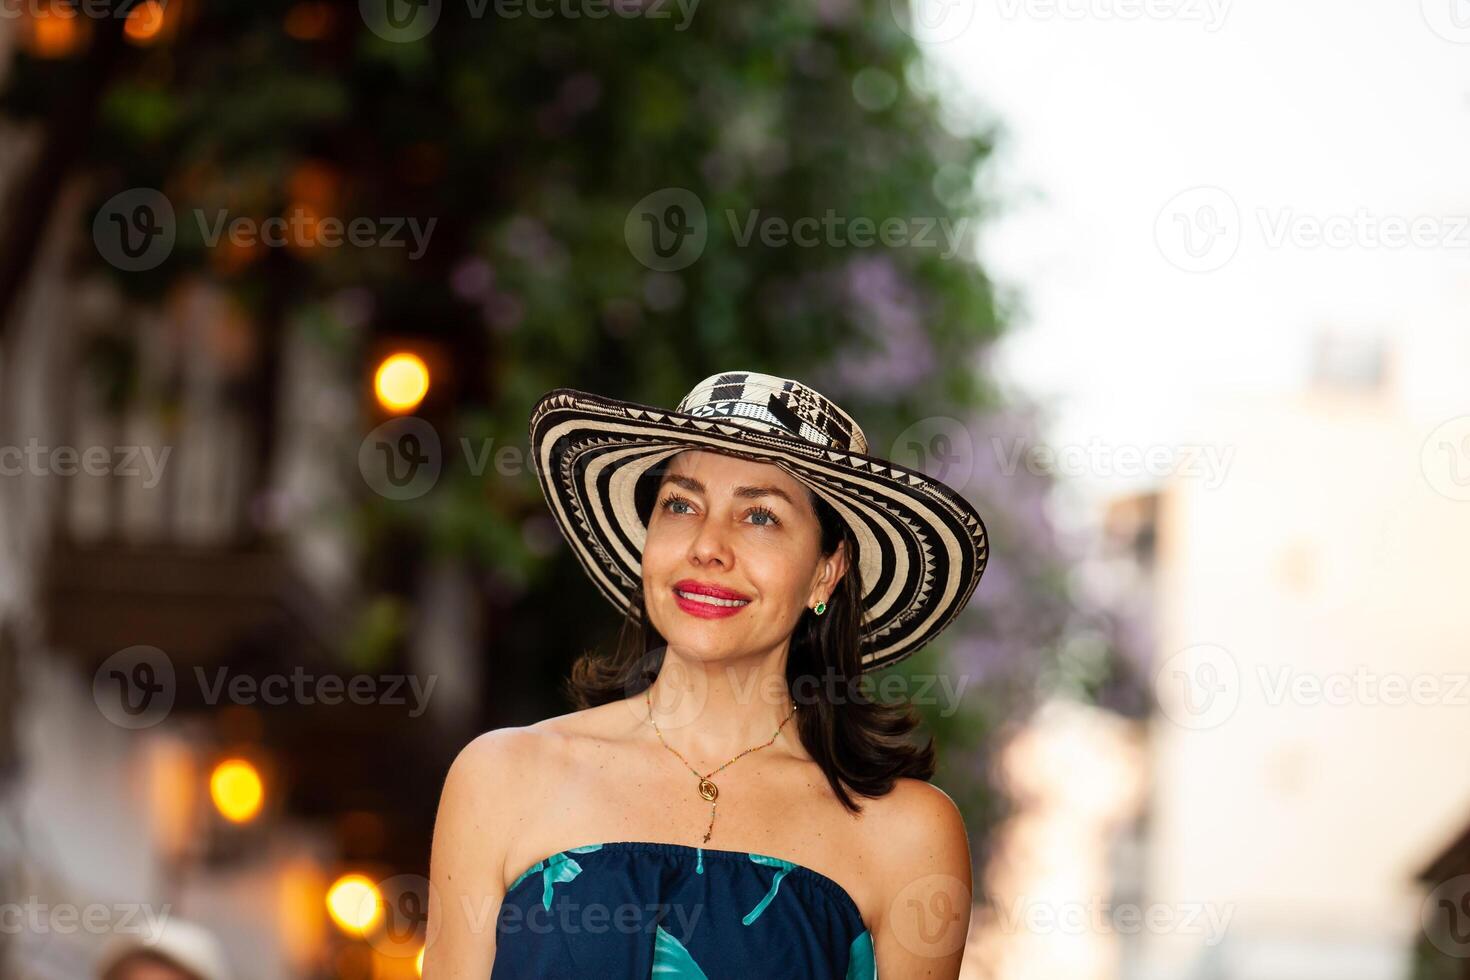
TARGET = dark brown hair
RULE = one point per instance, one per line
(862, 745)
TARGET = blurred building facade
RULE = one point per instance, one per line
(1311, 676)
(200, 544)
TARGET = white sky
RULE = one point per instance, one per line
(1307, 109)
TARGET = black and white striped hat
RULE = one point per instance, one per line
(921, 547)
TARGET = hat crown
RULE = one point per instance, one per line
(775, 405)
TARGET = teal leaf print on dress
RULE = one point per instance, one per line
(560, 867)
(783, 868)
(861, 965)
(672, 961)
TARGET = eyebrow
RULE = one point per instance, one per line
(693, 485)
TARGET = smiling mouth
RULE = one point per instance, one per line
(710, 600)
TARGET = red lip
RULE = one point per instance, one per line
(704, 610)
(705, 588)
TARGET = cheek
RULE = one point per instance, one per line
(656, 538)
(771, 573)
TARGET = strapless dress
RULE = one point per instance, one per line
(631, 910)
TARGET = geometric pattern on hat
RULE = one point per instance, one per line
(921, 546)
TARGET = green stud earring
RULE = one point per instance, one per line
(819, 608)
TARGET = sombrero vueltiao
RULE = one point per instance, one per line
(921, 547)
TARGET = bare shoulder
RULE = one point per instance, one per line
(924, 872)
(920, 826)
(522, 756)
(492, 756)
(474, 811)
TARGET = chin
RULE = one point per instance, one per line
(705, 641)
(698, 643)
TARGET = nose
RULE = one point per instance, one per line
(710, 545)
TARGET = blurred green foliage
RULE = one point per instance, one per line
(527, 141)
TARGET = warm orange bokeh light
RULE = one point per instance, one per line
(418, 963)
(237, 790)
(144, 22)
(310, 20)
(355, 904)
(401, 382)
(54, 35)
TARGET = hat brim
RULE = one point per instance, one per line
(921, 547)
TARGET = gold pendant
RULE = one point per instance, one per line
(708, 790)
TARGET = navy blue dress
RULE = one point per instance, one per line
(631, 910)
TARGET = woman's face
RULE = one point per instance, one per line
(741, 528)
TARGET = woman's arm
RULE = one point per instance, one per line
(467, 861)
(926, 919)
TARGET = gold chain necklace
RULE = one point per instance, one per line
(707, 790)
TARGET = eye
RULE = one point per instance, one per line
(674, 498)
(766, 512)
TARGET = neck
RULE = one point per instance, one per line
(711, 711)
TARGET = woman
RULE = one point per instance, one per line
(726, 802)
